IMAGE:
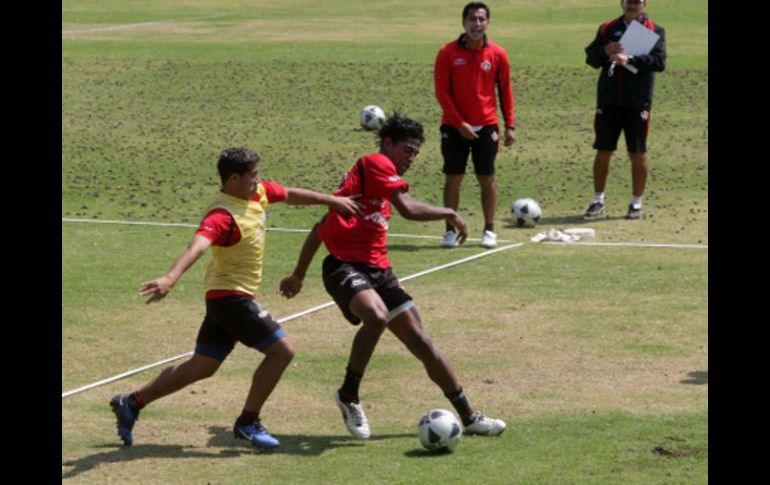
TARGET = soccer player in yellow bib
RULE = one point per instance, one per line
(234, 228)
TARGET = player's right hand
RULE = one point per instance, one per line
(460, 228)
(158, 288)
(466, 131)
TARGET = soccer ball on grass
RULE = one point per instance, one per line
(372, 118)
(439, 431)
(525, 213)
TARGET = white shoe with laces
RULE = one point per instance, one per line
(449, 240)
(354, 417)
(488, 239)
(485, 426)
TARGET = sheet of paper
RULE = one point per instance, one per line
(638, 40)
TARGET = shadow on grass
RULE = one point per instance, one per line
(221, 444)
(697, 377)
(422, 453)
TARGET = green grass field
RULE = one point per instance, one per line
(596, 356)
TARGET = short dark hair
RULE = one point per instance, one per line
(236, 160)
(399, 128)
(476, 6)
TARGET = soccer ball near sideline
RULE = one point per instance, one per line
(439, 431)
(525, 213)
(372, 118)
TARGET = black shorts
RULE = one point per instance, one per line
(483, 150)
(344, 280)
(608, 123)
(236, 318)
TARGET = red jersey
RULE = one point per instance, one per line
(465, 82)
(363, 239)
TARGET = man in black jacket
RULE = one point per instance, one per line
(624, 99)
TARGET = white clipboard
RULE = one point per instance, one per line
(637, 40)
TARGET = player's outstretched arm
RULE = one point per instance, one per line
(291, 285)
(347, 206)
(413, 209)
(160, 287)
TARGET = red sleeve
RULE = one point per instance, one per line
(506, 88)
(381, 178)
(275, 192)
(219, 227)
(442, 83)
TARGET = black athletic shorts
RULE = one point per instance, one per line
(608, 123)
(344, 280)
(235, 318)
(483, 150)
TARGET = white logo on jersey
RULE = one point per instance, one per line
(377, 218)
(486, 66)
(394, 178)
(459, 61)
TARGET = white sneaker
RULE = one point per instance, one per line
(449, 240)
(488, 239)
(483, 425)
(354, 417)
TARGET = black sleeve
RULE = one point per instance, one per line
(595, 56)
(656, 59)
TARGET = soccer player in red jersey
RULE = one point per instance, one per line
(358, 275)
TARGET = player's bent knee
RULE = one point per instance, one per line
(282, 350)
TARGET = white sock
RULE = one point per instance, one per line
(636, 202)
(598, 197)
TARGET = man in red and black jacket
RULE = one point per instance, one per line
(469, 74)
(624, 100)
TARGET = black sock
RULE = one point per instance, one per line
(489, 227)
(461, 405)
(349, 390)
(450, 228)
(247, 417)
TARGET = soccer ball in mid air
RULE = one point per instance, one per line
(372, 118)
(439, 431)
(525, 213)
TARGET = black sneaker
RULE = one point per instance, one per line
(126, 417)
(634, 212)
(595, 211)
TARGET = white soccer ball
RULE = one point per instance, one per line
(439, 431)
(525, 213)
(372, 118)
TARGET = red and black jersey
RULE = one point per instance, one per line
(363, 239)
(625, 88)
(468, 81)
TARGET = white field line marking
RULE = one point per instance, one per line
(633, 245)
(275, 229)
(137, 25)
(290, 317)
(412, 236)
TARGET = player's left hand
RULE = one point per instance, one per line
(290, 286)
(510, 137)
(347, 206)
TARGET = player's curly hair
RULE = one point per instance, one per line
(237, 160)
(398, 128)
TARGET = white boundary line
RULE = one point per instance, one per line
(137, 25)
(411, 236)
(290, 317)
(633, 245)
